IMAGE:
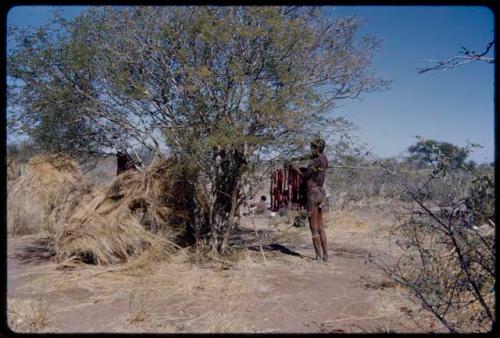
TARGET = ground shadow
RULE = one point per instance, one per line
(245, 235)
(38, 251)
(275, 247)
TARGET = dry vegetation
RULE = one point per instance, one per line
(199, 293)
(132, 225)
(119, 78)
(47, 183)
(93, 224)
(28, 315)
(443, 224)
(122, 220)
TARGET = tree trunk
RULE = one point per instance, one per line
(213, 227)
(230, 220)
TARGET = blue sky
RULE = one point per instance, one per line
(454, 106)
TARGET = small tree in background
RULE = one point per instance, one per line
(426, 153)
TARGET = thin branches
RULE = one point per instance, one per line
(466, 56)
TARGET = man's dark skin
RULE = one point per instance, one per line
(314, 177)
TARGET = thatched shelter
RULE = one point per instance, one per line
(116, 223)
(47, 182)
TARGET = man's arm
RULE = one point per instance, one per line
(297, 159)
(313, 167)
(315, 164)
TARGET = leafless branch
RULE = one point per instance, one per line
(467, 56)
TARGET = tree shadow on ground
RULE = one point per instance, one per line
(275, 247)
(243, 236)
(250, 239)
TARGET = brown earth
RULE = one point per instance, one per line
(271, 284)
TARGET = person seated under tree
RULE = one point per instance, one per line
(260, 207)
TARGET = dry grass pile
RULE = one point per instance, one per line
(12, 169)
(119, 222)
(48, 181)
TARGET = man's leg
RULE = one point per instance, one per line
(313, 224)
(322, 235)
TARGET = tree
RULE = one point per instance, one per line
(220, 87)
(430, 152)
(46, 107)
(472, 165)
(20, 152)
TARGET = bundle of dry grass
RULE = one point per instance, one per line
(122, 221)
(12, 169)
(47, 182)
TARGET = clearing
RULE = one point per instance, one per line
(269, 284)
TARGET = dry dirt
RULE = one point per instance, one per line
(270, 284)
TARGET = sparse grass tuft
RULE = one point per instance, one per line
(28, 316)
(227, 323)
(25, 215)
(137, 305)
(39, 311)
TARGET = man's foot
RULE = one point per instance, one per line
(318, 258)
(325, 259)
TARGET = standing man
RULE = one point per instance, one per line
(314, 177)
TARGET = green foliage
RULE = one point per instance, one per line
(20, 152)
(49, 81)
(217, 86)
(481, 200)
(431, 152)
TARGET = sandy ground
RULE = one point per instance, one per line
(272, 286)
